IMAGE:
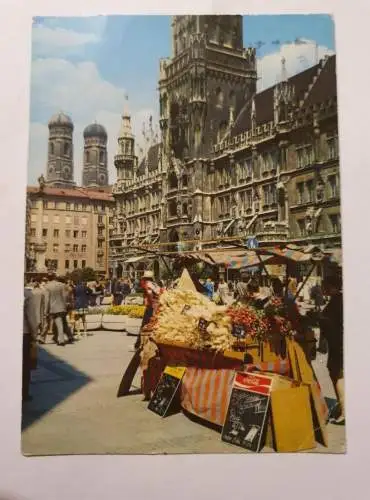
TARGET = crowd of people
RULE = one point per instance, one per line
(50, 302)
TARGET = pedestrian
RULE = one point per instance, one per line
(317, 296)
(30, 330)
(209, 288)
(117, 292)
(241, 289)
(126, 290)
(82, 295)
(56, 306)
(331, 326)
(151, 299)
(223, 291)
(39, 301)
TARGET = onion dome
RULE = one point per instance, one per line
(60, 119)
(95, 130)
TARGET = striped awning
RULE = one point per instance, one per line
(247, 260)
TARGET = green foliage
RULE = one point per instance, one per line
(85, 274)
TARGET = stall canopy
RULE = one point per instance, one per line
(138, 258)
(292, 253)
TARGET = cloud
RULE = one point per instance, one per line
(298, 57)
(48, 41)
(80, 91)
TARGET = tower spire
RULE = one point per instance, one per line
(284, 74)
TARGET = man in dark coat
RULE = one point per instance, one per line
(30, 330)
(331, 324)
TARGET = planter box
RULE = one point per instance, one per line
(93, 321)
(114, 322)
(133, 322)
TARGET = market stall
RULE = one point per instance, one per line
(214, 346)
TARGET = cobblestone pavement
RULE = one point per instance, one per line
(75, 409)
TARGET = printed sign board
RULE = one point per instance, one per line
(246, 420)
(166, 390)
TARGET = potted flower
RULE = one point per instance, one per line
(135, 316)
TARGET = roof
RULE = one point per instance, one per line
(151, 159)
(323, 89)
(77, 192)
(95, 130)
(60, 119)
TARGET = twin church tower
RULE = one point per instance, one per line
(60, 165)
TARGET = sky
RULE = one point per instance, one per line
(87, 67)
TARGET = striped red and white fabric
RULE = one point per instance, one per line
(206, 393)
(281, 366)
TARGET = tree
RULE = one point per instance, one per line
(85, 274)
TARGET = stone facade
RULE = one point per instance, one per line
(68, 228)
(59, 170)
(232, 163)
(95, 160)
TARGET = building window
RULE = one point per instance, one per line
(68, 233)
(45, 205)
(333, 186)
(75, 234)
(44, 232)
(68, 219)
(45, 218)
(84, 221)
(76, 220)
(310, 191)
(83, 264)
(67, 247)
(75, 264)
(335, 223)
(101, 156)
(33, 218)
(66, 264)
(300, 192)
(56, 233)
(172, 208)
(75, 248)
(33, 231)
(100, 219)
(305, 156)
(100, 231)
(66, 148)
(83, 248)
(84, 234)
(56, 219)
(100, 244)
(68, 206)
(269, 194)
(51, 204)
(87, 156)
(333, 147)
(302, 227)
(55, 248)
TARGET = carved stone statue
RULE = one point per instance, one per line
(41, 181)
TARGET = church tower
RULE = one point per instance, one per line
(125, 159)
(95, 161)
(205, 83)
(59, 171)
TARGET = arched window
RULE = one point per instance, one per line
(66, 148)
(87, 156)
(184, 180)
(101, 157)
(219, 98)
(51, 148)
(232, 99)
(185, 208)
(172, 181)
(172, 208)
(283, 116)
